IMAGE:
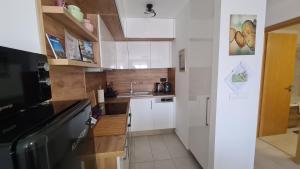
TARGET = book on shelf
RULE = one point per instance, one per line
(86, 50)
(72, 47)
(56, 46)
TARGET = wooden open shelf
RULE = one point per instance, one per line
(65, 18)
(68, 62)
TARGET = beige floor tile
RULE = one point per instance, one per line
(164, 164)
(142, 150)
(186, 163)
(269, 157)
(147, 165)
(285, 142)
(174, 146)
(158, 148)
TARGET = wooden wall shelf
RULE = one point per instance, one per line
(64, 17)
(68, 62)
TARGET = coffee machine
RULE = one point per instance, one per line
(163, 87)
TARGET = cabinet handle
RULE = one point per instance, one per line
(130, 116)
(206, 112)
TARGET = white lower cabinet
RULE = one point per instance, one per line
(142, 119)
(123, 163)
(163, 113)
(152, 113)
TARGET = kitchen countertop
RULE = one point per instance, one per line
(110, 132)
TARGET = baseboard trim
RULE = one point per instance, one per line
(152, 132)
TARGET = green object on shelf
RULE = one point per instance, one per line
(75, 12)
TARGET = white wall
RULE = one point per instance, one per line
(234, 117)
(19, 25)
(281, 10)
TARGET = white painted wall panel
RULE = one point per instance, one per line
(234, 117)
(19, 25)
(281, 10)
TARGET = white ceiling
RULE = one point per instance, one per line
(164, 8)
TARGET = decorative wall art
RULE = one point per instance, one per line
(238, 77)
(242, 34)
(182, 60)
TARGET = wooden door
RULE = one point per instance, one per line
(278, 78)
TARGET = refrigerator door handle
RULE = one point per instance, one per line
(206, 111)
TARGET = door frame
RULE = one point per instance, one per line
(268, 29)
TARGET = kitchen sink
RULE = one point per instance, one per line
(135, 94)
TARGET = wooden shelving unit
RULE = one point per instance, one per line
(68, 76)
(68, 62)
(65, 18)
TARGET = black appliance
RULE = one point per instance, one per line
(167, 87)
(24, 78)
(43, 137)
(36, 133)
(109, 91)
(164, 86)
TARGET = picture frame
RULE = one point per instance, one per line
(182, 61)
(56, 46)
(242, 34)
(86, 50)
(72, 47)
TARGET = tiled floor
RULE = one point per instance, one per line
(160, 152)
(268, 157)
(167, 152)
(285, 142)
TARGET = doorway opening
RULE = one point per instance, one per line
(280, 90)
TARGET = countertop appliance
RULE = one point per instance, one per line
(167, 87)
(156, 87)
(163, 87)
(34, 132)
(24, 78)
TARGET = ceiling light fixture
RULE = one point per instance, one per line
(149, 10)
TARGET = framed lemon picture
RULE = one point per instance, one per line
(242, 35)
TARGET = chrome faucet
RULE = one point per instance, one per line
(131, 87)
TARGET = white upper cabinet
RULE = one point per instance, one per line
(122, 55)
(150, 28)
(107, 47)
(108, 54)
(139, 55)
(161, 54)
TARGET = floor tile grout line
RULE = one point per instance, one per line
(151, 151)
(163, 143)
(172, 158)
